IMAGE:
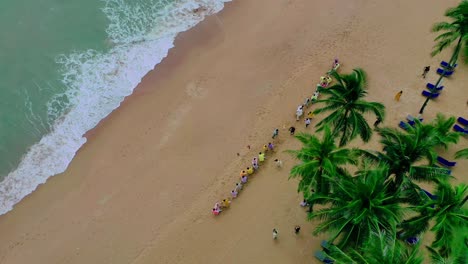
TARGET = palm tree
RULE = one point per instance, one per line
(381, 248)
(345, 99)
(402, 149)
(448, 212)
(318, 159)
(358, 207)
(457, 31)
(459, 248)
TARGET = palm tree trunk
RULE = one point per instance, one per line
(344, 131)
(452, 62)
(455, 54)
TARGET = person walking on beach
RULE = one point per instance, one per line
(292, 130)
(244, 179)
(250, 170)
(307, 122)
(275, 233)
(255, 163)
(234, 194)
(275, 133)
(265, 148)
(426, 70)
(398, 95)
(299, 113)
(297, 229)
(279, 163)
(238, 187)
(270, 146)
(377, 122)
(261, 156)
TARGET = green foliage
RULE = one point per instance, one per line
(345, 101)
(462, 154)
(358, 206)
(381, 248)
(448, 212)
(403, 148)
(319, 158)
(457, 30)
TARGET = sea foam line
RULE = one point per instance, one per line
(98, 82)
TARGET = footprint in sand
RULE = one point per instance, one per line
(196, 90)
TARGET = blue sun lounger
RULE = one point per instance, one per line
(445, 162)
(429, 94)
(430, 195)
(462, 121)
(444, 72)
(322, 256)
(447, 65)
(460, 129)
(412, 240)
(325, 245)
(403, 125)
(431, 87)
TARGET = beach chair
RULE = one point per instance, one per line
(430, 195)
(445, 162)
(325, 245)
(412, 240)
(447, 65)
(444, 72)
(460, 129)
(429, 94)
(431, 87)
(462, 121)
(322, 256)
(403, 125)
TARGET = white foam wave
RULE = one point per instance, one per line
(98, 82)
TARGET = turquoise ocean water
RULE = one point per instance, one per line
(64, 66)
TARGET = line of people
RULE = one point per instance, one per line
(245, 174)
(250, 171)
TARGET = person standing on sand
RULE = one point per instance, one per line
(265, 148)
(244, 179)
(398, 95)
(275, 233)
(299, 113)
(270, 146)
(234, 194)
(297, 229)
(275, 133)
(292, 130)
(377, 122)
(279, 163)
(426, 70)
(307, 122)
(250, 170)
(238, 187)
(261, 156)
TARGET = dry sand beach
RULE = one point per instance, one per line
(142, 188)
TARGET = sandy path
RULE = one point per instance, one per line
(141, 190)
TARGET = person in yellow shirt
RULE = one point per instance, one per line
(261, 156)
(250, 170)
(310, 114)
(226, 203)
(265, 148)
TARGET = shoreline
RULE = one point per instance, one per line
(141, 188)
